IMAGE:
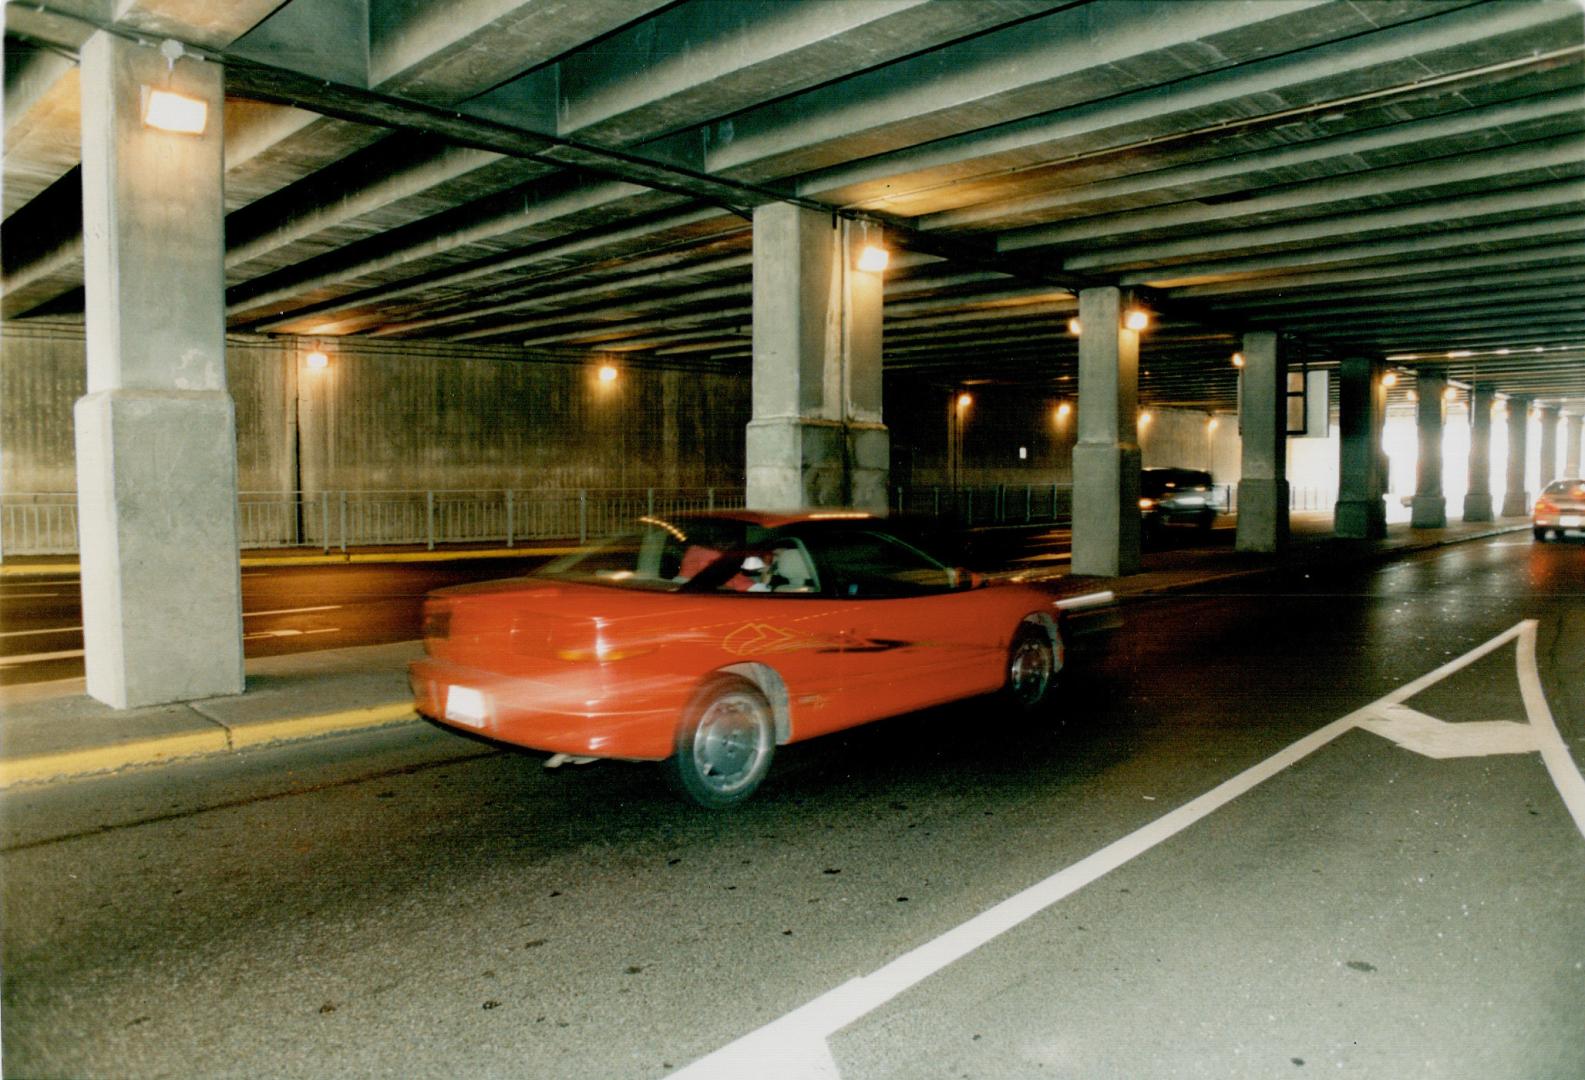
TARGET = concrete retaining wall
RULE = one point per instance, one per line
(403, 415)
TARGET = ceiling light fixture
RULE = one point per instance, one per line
(872, 258)
(1136, 319)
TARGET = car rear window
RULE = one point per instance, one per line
(656, 553)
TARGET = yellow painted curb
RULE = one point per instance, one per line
(110, 758)
(303, 727)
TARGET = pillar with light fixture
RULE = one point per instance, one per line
(1549, 417)
(1106, 526)
(1263, 435)
(156, 432)
(1428, 508)
(1516, 500)
(1361, 510)
(816, 437)
(1477, 500)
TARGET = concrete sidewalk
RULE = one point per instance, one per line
(53, 731)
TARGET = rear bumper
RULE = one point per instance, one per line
(580, 710)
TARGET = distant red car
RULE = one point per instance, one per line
(705, 641)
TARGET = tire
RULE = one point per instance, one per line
(1542, 534)
(1032, 670)
(724, 744)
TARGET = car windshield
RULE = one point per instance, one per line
(657, 553)
(1568, 489)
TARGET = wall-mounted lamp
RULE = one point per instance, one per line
(1450, 395)
(873, 258)
(1238, 359)
(1390, 379)
(1212, 424)
(607, 373)
(1063, 411)
(1144, 419)
(1136, 319)
(316, 361)
(1073, 326)
(169, 111)
(1414, 395)
(965, 400)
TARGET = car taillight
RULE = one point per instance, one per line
(437, 620)
(1146, 504)
(1545, 506)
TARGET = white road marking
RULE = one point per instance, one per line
(1439, 739)
(9, 661)
(1560, 763)
(290, 633)
(292, 610)
(796, 1046)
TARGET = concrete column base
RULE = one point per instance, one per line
(1477, 506)
(1262, 515)
(796, 463)
(1516, 503)
(1361, 519)
(157, 523)
(1106, 522)
(1428, 512)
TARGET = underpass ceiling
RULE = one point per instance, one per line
(1402, 179)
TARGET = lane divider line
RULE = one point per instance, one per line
(1566, 776)
(796, 1046)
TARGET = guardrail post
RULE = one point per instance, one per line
(709, 498)
(429, 518)
(1029, 503)
(343, 522)
(583, 516)
(508, 517)
(324, 519)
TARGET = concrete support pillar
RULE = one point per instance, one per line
(1477, 500)
(1106, 460)
(1571, 444)
(815, 437)
(1429, 509)
(1549, 415)
(156, 432)
(1362, 465)
(1516, 502)
(1263, 431)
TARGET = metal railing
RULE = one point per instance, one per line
(46, 523)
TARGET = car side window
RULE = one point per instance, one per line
(863, 564)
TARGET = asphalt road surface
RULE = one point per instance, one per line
(1393, 892)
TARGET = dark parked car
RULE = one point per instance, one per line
(1176, 497)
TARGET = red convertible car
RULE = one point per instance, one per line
(705, 641)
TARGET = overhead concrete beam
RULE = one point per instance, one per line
(1544, 254)
(1307, 78)
(1544, 160)
(1565, 198)
(1425, 244)
(1074, 55)
(1429, 138)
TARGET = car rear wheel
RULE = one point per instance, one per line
(724, 744)
(1031, 669)
(1542, 534)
